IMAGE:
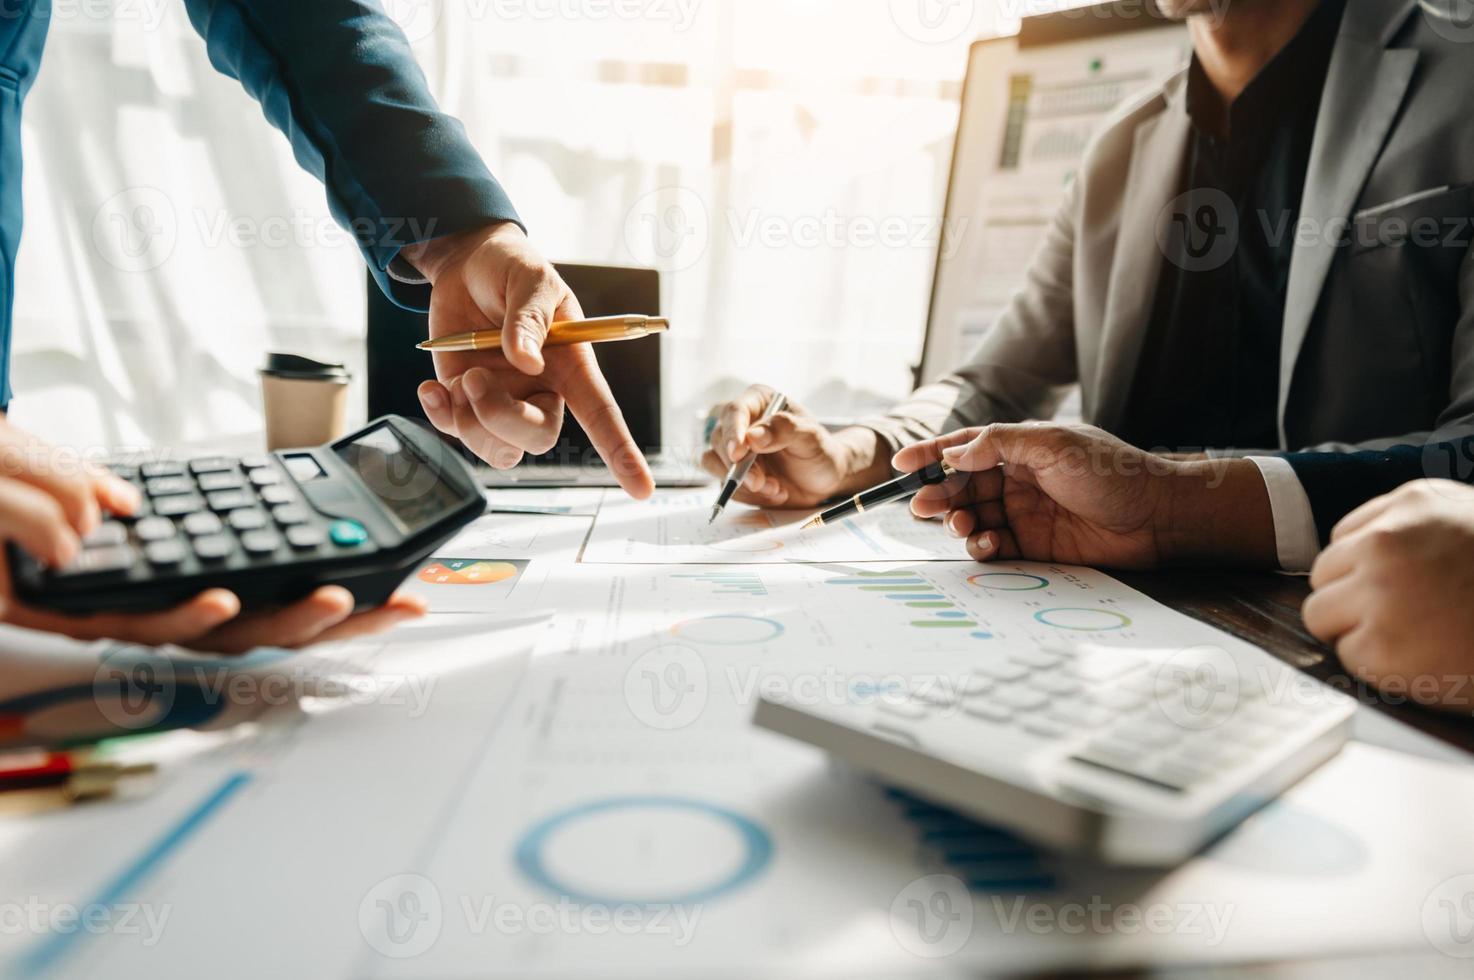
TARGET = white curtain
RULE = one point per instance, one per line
(784, 163)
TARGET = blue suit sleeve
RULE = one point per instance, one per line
(337, 77)
(1338, 483)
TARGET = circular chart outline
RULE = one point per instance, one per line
(973, 580)
(778, 630)
(529, 857)
(1125, 620)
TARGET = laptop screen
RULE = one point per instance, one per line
(396, 369)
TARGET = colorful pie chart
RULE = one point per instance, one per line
(467, 571)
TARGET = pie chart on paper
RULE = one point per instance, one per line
(459, 571)
(466, 584)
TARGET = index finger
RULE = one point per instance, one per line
(729, 438)
(913, 457)
(592, 403)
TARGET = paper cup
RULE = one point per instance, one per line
(305, 401)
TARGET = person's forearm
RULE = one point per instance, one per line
(340, 80)
(867, 458)
(1218, 512)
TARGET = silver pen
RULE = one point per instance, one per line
(738, 472)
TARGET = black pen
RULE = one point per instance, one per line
(884, 494)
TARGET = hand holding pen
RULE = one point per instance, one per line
(801, 462)
(1077, 495)
(739, 469)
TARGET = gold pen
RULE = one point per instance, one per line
(601, 330)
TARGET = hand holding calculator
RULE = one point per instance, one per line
(362, 513)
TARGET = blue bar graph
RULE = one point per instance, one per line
(730, 583)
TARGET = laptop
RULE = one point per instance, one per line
(395, 371)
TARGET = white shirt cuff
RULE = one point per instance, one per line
(400, 270)
(1296, 541)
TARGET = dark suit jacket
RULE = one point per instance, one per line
(1338, 483)
(338, 79)
(1377, 341)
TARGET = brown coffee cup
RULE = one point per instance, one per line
(306, 401)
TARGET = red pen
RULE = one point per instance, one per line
(32, 770)
(80, 780)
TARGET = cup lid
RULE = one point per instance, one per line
(299, 368)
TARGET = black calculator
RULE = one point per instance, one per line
(363, 512)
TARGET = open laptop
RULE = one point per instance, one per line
(396, 369)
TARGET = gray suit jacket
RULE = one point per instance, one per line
(1378, 335)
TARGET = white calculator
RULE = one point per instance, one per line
(1132, 756)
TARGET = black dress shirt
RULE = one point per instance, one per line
(1208, 375)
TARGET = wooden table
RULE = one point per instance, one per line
(1264, 609)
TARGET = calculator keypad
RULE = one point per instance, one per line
(211, 513)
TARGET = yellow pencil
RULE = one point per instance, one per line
(601, 330)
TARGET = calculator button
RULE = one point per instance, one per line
(265, 477)
(123, 471)
(226, 500)
(278, 494)
(1044, 727)
(1002, 671)
(1116, 698)
(211, 464)
(1105, 665)
(988, 711)
(973, 686)
(1036, 658)
(167, 486)
(937, 695)
(348, 534)
(247, 520)
(260, 542)
(1054, 684)
(1022, 698)
(150, 470)
(154, 529)
(304, 538)
(202, 522)
(98, 561)
(290, 514)
(1084, 714)
(255, 461)
(212, 547)
(164, 554)
(144, 509)
(229, 480)
(177, 506)
(107, 534)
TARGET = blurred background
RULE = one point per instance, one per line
(783, 162)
